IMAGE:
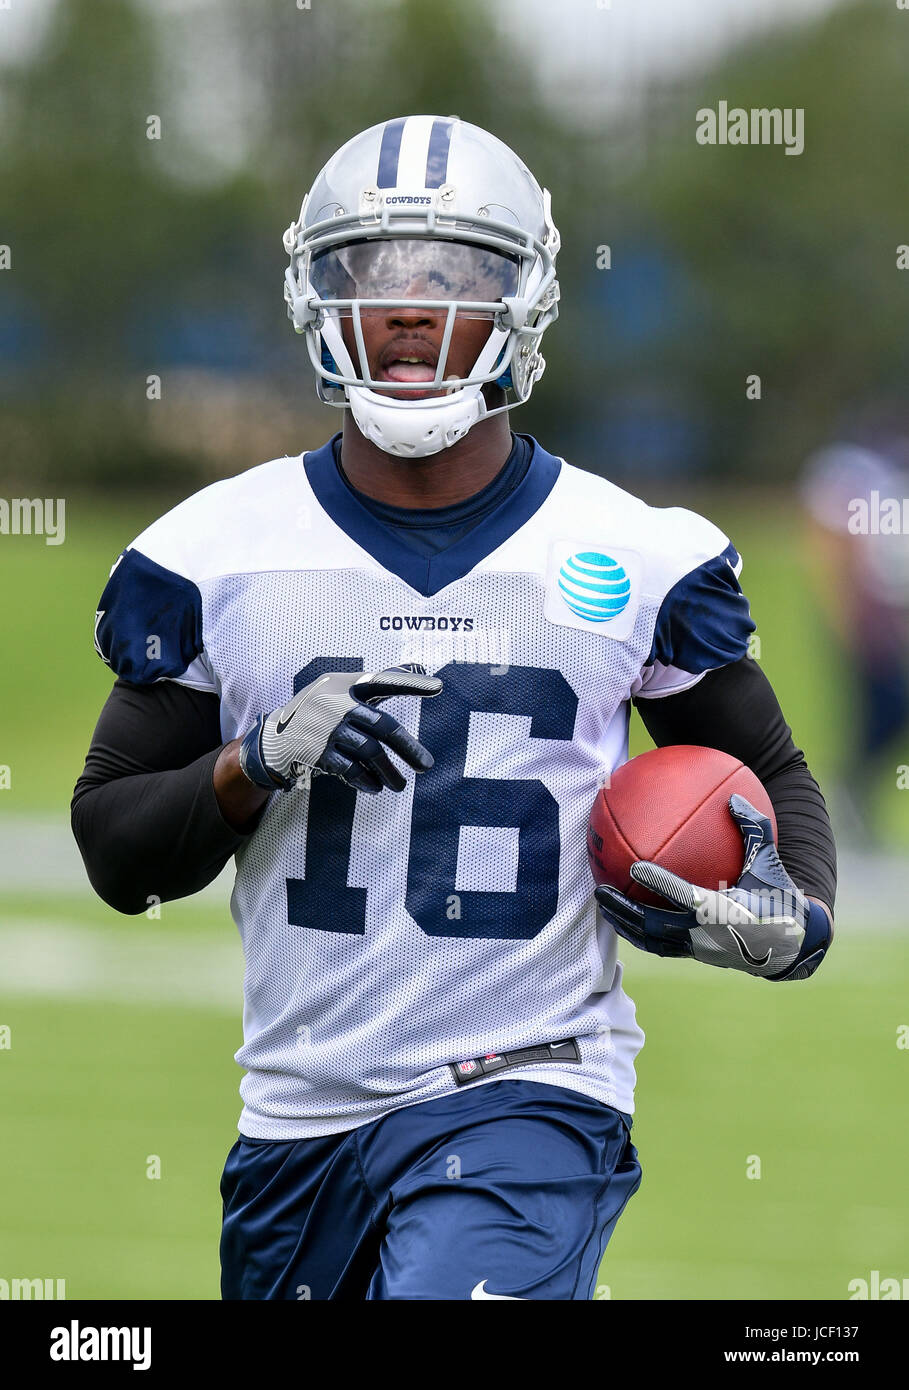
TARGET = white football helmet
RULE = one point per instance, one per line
(435, 213)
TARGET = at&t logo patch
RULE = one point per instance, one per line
(595, 587)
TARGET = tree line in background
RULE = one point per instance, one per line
(137, 259)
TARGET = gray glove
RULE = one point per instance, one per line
(331, 726)
(764, 925)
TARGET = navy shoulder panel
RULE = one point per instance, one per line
(149, 620)
(705, 619)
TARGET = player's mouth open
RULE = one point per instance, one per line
(397, 364)
(408, 369)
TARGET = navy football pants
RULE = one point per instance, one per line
(510, 1191)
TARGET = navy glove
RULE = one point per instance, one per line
(764, 925)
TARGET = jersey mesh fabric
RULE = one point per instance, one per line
(409, 942)
(357, 1024)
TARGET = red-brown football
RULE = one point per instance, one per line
(671, 806)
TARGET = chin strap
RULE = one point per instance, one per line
(426, 428)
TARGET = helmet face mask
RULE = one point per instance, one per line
(424, 359)
(388, 279)
(453, 251)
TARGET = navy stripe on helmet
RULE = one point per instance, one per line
(437, 154)
(389, 153)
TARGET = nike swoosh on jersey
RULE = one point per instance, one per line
(479, 1291)
(746, 954)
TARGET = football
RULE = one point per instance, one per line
(671, 806)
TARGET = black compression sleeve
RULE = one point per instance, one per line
(734, 708)
(144, 811)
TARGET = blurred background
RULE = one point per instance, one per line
(686, 271)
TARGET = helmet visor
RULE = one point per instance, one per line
(405, 268)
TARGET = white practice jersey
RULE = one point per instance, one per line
(393, 941)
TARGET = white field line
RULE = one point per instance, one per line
(54, 958)
(38, 854)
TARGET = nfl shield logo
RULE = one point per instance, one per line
(467, 1068)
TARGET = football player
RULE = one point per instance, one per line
(388, 676)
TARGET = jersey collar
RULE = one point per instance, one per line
(429, 574)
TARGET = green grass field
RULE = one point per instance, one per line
(808, 1080)
(104, 1071)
